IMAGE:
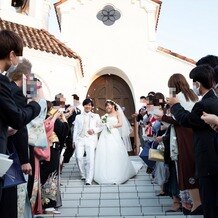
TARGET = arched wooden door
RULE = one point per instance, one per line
(114, 88)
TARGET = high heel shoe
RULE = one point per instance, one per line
(197, 211)
(185, 211)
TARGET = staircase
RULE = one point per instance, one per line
(134, 199)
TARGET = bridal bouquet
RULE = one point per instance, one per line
(104, 121)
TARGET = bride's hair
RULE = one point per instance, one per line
(111, 103)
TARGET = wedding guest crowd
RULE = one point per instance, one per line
(12, 114)
(36, 132)
(189, 169)
(23, 111)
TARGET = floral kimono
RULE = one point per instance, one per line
(40, 154)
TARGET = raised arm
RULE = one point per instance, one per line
(10, 113)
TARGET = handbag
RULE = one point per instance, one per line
(144, 154)
(156, 155)
(14, 175)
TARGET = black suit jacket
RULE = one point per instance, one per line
(72, 118)
(70, 121)
(205, 138)
(19, 141)
(11, 114)
(61, 129)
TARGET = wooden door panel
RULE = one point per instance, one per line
(111, 87)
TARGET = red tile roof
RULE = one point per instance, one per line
(167, 51)
(40, 39)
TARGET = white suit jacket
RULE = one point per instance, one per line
(94, 123)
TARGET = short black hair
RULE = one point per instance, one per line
(142, 97)
(203, 74)
(210, 60)
(59, 95)
(10, 41)
(87, 101)
(151, 93)
(150, 99)
(75, 96)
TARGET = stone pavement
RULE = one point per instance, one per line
(134, 199)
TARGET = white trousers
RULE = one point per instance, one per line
(86, 145)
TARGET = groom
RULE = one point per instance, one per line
(85, 137)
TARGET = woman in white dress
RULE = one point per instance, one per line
(112, 163)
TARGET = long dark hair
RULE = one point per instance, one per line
(159, 100)
(179, 82)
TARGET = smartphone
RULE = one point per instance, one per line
(31, 87)
(172, 92)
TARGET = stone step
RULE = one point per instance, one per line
(128, 216)
(134, 199)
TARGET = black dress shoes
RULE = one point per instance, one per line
(88, 183)
(162, 194)
(83, 178)
(149, 170)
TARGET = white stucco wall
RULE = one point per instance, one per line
(128, 45)
(38, 13)
(58, 74)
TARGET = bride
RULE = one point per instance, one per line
(112, 163)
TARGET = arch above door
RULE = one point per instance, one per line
(113, 87)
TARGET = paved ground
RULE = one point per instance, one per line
(134, 199)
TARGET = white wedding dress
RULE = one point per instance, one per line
(112, 163)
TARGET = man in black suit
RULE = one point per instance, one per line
(19, 141)
(11, 48)
(69, 140)
(205, 138)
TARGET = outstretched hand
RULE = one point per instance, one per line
(11, 131)
(210, 119)
(90, 131)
